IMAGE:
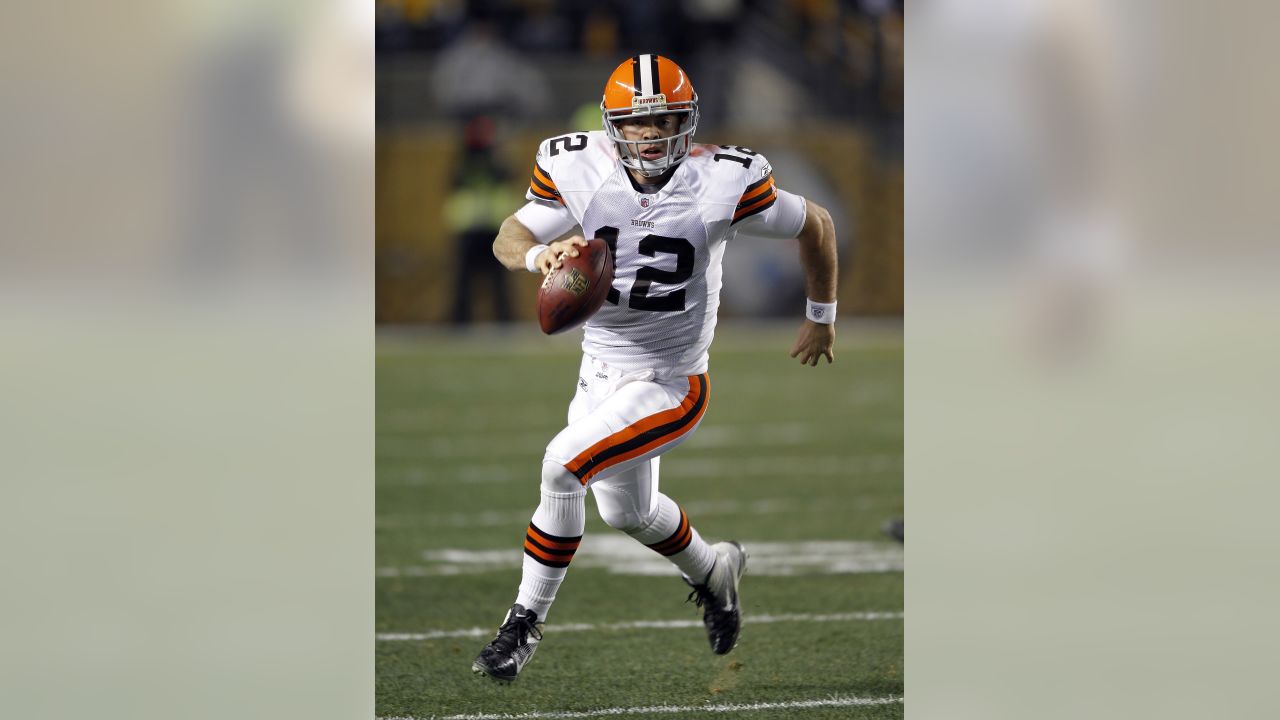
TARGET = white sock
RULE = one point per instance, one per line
(549, 545)
(670, 534)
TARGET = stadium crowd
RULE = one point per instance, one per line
(847, 54)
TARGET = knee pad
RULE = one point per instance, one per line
(557, 479)
(619, 509)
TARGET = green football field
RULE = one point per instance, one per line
(802, 465)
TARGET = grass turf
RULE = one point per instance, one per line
(785, 454)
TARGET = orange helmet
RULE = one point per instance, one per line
(650, 85)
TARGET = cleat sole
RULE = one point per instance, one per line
(479, 671)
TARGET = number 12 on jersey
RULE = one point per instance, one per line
(652, 246)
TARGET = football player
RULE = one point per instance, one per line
(668, 209)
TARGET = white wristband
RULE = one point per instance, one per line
(824, 313)
(531, 256)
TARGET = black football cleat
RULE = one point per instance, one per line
(513, 646)
(718, 596)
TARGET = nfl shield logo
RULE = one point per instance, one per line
(574, 282)
(644, 202)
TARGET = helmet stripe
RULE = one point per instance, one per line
(635, 74)
(647, 67)
(655, 86)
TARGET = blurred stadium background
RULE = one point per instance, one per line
(188, 284)
(466, 91)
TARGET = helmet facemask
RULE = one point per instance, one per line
(677, 146)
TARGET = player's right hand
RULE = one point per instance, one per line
(553, 256)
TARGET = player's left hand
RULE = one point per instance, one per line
(815, 341)
(557, 251)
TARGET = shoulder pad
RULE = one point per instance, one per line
(735, 164)
(574, 161)
(740, 176)
(753, 174)
(552, 152)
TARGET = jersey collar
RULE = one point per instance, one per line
(651, 188)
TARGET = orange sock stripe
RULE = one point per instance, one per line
(681, 528)
(676, 545)
(550, 550)
(679, 540)
(547, 542)
(644, 435)
(546, 558)
(533, 545)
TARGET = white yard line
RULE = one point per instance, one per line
(695, 508)
(647, 624)
(669, 709)
(744, 463)
(621, 555)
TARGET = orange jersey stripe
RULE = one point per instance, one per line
(545, 178)
(746, 210)
(752, 194)
(540, 193)
(542, 186)
(687, 414)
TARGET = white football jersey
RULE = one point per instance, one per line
(667, 245)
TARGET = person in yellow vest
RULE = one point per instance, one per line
(481, 200)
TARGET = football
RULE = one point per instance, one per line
(575, 291)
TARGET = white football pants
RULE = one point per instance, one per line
(619, 425)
